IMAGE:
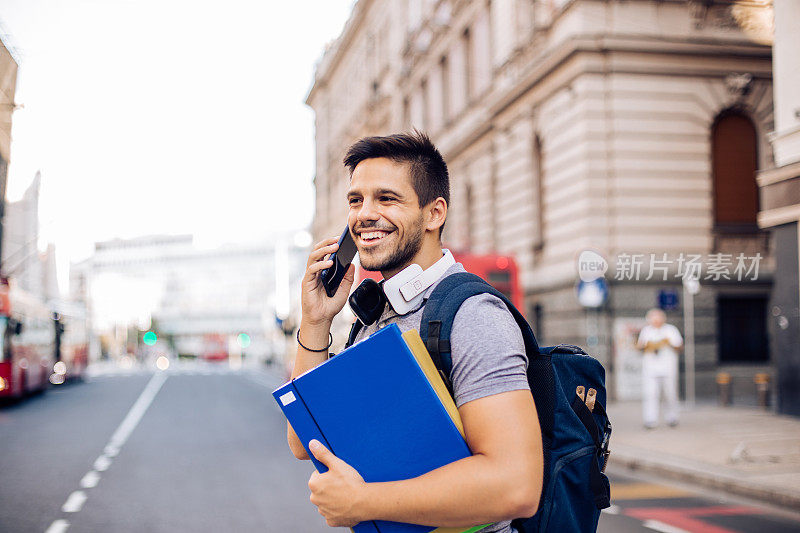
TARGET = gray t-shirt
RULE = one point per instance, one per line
(487, 350)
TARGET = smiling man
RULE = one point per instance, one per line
(398, 197)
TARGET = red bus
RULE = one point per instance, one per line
(500, 271)
(27, 342)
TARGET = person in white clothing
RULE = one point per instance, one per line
(660, 342)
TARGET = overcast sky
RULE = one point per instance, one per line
(166, 116)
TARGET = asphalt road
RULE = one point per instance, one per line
(200, 448)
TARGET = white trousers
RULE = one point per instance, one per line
(659, 376)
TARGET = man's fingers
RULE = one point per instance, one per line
(347, 280)
(321, 453)
(316, 267)
(318, 254)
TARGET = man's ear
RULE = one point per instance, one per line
(436, 214)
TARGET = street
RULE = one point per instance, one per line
(202, 448)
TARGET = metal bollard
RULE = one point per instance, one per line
(762, 387)
(724, 388)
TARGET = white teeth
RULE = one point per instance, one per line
(373, 235)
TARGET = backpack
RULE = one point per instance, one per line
(574, 439)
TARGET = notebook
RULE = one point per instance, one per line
(381, 407)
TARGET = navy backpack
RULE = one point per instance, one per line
(575, 439)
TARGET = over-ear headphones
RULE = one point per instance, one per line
(404, 291)
(368, 301)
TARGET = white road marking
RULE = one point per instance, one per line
(90, 480)
(613, 509)
(133, 417)
(662, 527)
(102, 463)
(74, 502)
(58, 526)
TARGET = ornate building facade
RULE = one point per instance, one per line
(631, 129)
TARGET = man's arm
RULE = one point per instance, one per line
(315, 325)
(500, 481)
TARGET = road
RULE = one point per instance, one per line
(201, 448)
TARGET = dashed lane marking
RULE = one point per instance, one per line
(102, 463)
(58, 526)
(75, 502)
(662, 527)
(90, 480)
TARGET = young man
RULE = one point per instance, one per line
(398, 197)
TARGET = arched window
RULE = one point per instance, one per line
(734, 164)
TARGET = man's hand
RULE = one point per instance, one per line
(339, 492)
(317, 307)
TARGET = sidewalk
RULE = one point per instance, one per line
(741, 450)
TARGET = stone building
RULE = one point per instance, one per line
(8, 88)
(629, 128)
(780, 206)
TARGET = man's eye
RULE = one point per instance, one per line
(354, 201)
(387, 198)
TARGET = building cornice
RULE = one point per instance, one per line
(336, 51)
(551, 60)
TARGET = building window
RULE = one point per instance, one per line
(425, 100)
(734, 164)
(444, 70)
(470, 201)
(538, 190)
(742, 329)
(466, 46)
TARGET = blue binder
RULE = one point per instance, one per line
(381, 407)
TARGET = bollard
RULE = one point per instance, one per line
(724, 388)
(762, 387)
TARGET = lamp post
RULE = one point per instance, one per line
(691, 286)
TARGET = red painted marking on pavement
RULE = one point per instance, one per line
(685, 518)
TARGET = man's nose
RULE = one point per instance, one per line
(368, 212)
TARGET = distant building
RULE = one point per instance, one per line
(34, 271)
(196, 297)
(631, 129)
(8, 88)
(780, 206)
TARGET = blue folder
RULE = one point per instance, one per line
(381, 407)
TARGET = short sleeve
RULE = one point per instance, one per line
(644, 335)
(675, 338)
(487, 350)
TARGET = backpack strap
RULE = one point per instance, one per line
(437, 324)
(440, 311)
(354, 329)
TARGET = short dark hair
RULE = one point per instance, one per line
(429, 176)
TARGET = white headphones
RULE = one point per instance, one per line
(404, 290)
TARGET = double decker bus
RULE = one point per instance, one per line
(27, 342)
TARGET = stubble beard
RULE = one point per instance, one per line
(400, 256)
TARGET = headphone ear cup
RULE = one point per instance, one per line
(368, 301)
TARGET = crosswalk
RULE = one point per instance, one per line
(644, 506)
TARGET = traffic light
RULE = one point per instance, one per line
(150, 338)
(243, 339)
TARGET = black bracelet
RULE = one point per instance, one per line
(303, 346)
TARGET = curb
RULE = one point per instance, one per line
(704, 475)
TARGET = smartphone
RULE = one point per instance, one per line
(332, 276)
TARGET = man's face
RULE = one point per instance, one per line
(385, 218)
(656, 319)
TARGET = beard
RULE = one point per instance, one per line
(400, 256)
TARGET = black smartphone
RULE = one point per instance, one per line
(332, 276)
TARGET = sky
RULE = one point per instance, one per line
(166, 116)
